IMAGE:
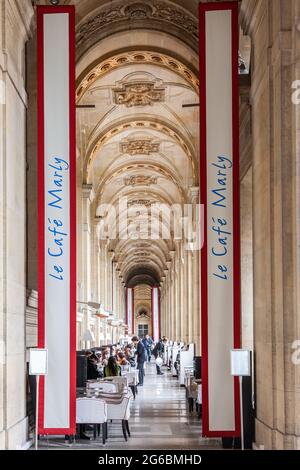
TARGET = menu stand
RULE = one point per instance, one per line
(38, 365)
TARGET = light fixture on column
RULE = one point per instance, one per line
(54, 2)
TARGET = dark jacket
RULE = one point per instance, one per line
(147, 343)
(141, 353)
(131, 361)
(158, 349)
(92, 371)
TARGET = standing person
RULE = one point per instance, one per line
(141, 358)
(157, 352)
(147, 342)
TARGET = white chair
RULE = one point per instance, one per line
(92, 411)
(107, 387)
(120, 410)
(133, 380)
(122, 382)
(132, 377)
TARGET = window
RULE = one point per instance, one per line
(143, 330)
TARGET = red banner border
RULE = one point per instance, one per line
(41, 11)
(203, 8)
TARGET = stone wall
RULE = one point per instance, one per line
(274, 30)
(15, 19)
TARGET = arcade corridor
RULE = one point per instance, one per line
(159, 420)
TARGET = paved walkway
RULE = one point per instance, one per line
(159, 420)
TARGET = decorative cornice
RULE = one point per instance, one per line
(125, 15)
(135, 57)
(139, 124)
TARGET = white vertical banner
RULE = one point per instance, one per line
(57, 217)
(129, 310)
(155, 314)
(220, 257)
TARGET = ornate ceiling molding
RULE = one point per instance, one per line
(138, 180)
(140, 124)
(154, 194)
(128, 14)
(135, 57)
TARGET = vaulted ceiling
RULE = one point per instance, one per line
(137, 68)
(135, 139)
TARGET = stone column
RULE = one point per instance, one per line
(105, 273)
(192, 312)
(275, 37)
(186, 299)
(170, 299)
(167, 303)
(118, 292)
(182, 296)
(177, 289)
(110, 257)
(15, 18)
(87, 198)
(95, 262)
(173, 316)
(196, 335)
(163, 306)
(123, 301)
(193, 274)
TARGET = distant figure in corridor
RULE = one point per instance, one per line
(141, 358)
(148, 342)
(112, 369)
(157, 353)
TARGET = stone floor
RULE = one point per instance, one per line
(159, 420)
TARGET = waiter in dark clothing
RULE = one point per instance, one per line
(157, 352)
(141, 357)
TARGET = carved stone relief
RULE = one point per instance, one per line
(138, 94)
(139, 147)
(139, 202)
(140, 180)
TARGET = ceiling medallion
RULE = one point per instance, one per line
(138, 94)
(139, 147)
